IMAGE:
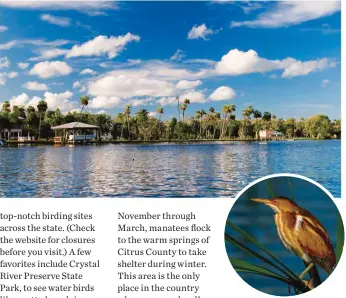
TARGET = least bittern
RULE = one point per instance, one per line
(302, 234)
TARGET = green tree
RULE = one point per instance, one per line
(6, 107)
(105, 123)
(41, 108)
(84, 100)
(127, 114)
(159, 111)
(183, 108)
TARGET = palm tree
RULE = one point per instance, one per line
(266, 118)
(250, 111)
(41, 108)
(127, 114)
(177, 98)
(6, 107)
(84, 100)
(225, 110)
(231, 109)
(183, 108)
(202, 113)
(105, 123)
(199, 116)
(186, 103)
(245, 113)
(257, 114)
(159, 110)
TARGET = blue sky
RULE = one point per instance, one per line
(147, 53)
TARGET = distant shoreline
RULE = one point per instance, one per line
(51, 142)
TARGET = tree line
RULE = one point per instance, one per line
(141, 126)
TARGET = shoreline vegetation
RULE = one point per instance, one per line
(100, 142)
(147, 127)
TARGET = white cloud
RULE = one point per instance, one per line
(35, 42)
(152, 114)
(2, 79)
(76, 85)
(178, 55)
(23, 65)
(104, 102)
(325, 83)
(293, 67)
(102, 45)
(46, 54)
(33, 85)
(90, 7)
(237, 62)
(168, 71)
(48, 69)
(8, 45)
(200, 61)
(194, 96)
(59, 21)
(24, 100)
(141, 101)
(20, 100)
(12, 75)
(199, 32)
(3, 28)
(184, 84)
(164, 101)
(286, 13)
(44, 43)
(223, 93)
(88, 71)
(60, 101)
(4, 62)
(54, 101)
(130, 85)
(7, 75)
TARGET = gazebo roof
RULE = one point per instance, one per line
(75, 125)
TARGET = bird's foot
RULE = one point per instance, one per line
(309, 283)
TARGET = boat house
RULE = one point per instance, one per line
(11, 134)
(75, 132)
(270, 135)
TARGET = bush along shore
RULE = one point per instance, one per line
(129, 127)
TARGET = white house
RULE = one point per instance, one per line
(12, 134)
(270, 134)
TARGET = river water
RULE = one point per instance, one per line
(162, 170)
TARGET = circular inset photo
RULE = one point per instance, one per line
(284, 235)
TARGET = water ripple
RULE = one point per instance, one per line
(162, 170)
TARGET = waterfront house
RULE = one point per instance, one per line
(11, 134)
(270, 135)
(75, 132)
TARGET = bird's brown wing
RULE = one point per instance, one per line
(315, 242)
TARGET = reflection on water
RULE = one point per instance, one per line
(257, 220)
(161, 170)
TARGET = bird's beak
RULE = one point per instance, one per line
(264, 201)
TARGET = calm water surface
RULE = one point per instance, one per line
(162, 170)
